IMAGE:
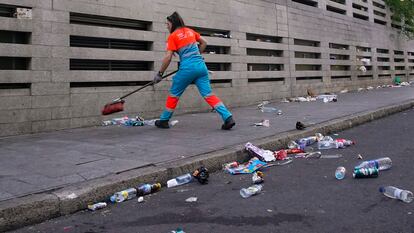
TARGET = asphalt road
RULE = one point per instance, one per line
(303, 196)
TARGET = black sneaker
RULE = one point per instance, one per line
(162, 124)
(228, 124)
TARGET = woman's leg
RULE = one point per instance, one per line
(180, 82)
(203, 85)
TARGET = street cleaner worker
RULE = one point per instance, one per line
(193, 69)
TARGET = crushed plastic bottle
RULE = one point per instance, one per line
(123, 195)
(250, 191)
(381, 164)
(180, 180)
(340, 173)
(97, 206)
(396, 193)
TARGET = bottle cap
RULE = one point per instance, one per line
(382, 189)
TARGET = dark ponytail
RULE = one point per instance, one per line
(176, 21)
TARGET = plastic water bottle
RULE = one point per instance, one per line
(183, 179)
(324, 145)
(381, 164)
(340, 173)
(303, 142)
(396, 193)
(250, 191)
(145, 189)
(124, 195)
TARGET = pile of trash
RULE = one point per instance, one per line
(302, 148)
(201, 174)
(133, 121)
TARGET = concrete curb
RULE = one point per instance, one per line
(40, 207)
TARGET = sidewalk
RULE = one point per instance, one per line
(52, 165)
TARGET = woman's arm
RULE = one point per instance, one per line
(166, 61)
(202, 45)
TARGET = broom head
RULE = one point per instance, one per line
(116, 106)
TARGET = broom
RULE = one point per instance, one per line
(117, 105)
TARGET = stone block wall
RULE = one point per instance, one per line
(59, 67)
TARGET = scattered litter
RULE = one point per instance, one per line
(370, 88)
(97, 206)
(396, 193)
(269, 109)
(265, 123)
(250, 191)
(71, 196)
(264, 155)
(140, 199)
(279, 163)
(285, 101)
(294, 151)
(280, 154)
(300, 126)
(340, 173)
(359, 156)
(269, 210)
(262, 104)
(247, 168)
(381, 164)
(328, 142)
(410, 213)
(257, 177)
(360, 89)
(230, 165)
(328, 98)
(180, 180)
(191, 199)
(123, 195)
(129, 121)
(146, 189)
(344, 91)
(365, 173)
(335, 156)
(201, 175)
(228, 182)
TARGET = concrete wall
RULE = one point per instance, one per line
(48, 97)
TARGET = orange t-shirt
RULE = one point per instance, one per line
(182, 37)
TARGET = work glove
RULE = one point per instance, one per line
(157, 78)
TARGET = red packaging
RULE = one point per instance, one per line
(281, 154)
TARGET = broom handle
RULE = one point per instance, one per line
(146, 85)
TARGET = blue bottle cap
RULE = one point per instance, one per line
(382, 189)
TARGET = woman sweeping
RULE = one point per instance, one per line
(183, 41)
